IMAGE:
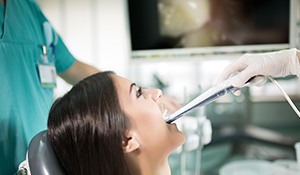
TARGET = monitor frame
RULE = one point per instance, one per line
(203, 52)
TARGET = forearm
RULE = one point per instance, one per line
(298, 57)
(77, 72)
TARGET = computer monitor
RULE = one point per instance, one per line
(196, 28)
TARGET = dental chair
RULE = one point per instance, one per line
(40, 158)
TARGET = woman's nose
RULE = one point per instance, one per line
(155, 94)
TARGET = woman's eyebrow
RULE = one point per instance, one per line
(131, 85)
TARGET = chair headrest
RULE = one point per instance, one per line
(41, 157)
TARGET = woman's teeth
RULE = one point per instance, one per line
(165, 117)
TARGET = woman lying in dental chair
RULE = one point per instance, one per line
(106, 125)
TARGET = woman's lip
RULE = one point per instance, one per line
(174, 125)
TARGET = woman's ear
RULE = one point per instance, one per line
(130, 143)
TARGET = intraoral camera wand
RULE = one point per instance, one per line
(205, 98)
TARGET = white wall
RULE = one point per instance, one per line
(95, 31)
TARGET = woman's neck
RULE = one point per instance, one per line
(146, 166)
(156, 169)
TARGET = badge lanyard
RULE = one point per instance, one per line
(46, 68)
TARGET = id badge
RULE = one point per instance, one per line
(47, 76)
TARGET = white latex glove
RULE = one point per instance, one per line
(275, 64)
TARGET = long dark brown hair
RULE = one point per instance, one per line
(86, 128)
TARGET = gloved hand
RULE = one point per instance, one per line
(275, 64)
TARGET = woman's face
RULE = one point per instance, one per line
(145, 113)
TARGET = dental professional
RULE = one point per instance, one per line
(29, 62)
(275, 64)
(108, 125)
(31, 55)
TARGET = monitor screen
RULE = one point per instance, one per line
(208, 25)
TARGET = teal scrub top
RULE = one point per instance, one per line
(24, 104)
